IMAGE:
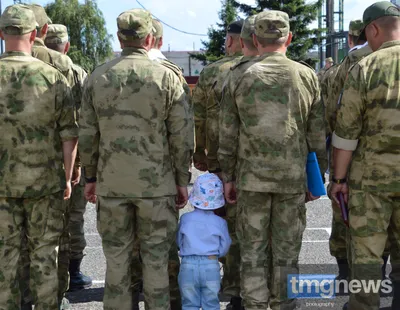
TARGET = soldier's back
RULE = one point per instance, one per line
(132, 96)
(35, 98)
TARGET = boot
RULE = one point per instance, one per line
(235, 304)
(396, 296)
(385, 260)
(343, 266)
(77, 280)
(26, 306)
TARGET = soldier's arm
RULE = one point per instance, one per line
(228, 134)
(349, 121)
(89, 136)
(199, 99)
(67, 124)
(179, 123)
(316, 136)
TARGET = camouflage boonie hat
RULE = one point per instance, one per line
(329, 60)
(248, 27)
(157, 28)
(57, 34)
(17, 19)
(376, 11)
(134, 24)
(40, 15)
(355, 27)
(272, 24)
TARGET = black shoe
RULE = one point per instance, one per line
(346, 306)
(26, 306)
(77, 280)
(396, 296)
(343, 266)
(235, 304)
(385, 260)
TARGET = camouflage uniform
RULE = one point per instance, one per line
(275, 109)
(322, 72)
(137, 139)
(368, 124)
(40, 102)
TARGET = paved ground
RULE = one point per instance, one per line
(314, 254)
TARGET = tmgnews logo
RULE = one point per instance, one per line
(326, 286)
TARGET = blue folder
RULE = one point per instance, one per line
(314, 178)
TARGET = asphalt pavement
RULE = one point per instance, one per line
(314, 256)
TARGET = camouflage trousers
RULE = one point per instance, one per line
(231, 279)
(123, 221)
(41, 220)
(270, 229)
(374, 217)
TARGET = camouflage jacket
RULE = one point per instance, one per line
(206, 99)
(368, 120)
(275, 109)
(36, 115)
(326, 89)
(136, 128)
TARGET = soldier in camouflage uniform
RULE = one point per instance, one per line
(136, 142)
(39, 130)
(275, 108)
(206, 109)
(367, 135)
(328, 64)
(57, 39)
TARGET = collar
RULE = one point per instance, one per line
(39, 42)
(127, 51)
(357, 47)
(14, 53)
(389, 44)
(156, 54)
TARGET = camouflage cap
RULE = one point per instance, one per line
(157, 28)
(235, 27)
(376, 11)
(355, 27)
(329, 60)
(57, 34)
(17, 19)
(272, 24)
(248, 27)
(40, 15)
(134, 24)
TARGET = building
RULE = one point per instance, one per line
(189, 66)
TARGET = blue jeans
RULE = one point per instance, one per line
(199, 282)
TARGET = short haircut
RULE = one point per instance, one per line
(59, 47)
(272, 41)
(134, 42)
(248, 43)
(356, 39)
(157, 41)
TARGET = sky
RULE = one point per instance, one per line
(190, 16)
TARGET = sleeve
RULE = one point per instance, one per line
(316, 135)
(349, 121)
(225, 240)
(89, 136)
(199, 100)
(212, 127)
(179, 123)
(228, 133)
(65, 109)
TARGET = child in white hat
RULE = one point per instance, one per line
(202, 237)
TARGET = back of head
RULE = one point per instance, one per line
(41, 18)
(381, 24)
(157, 33)
(134, 26)
(232, 42)
(272, 28)
(355, 28)
(57, 37)
(17, 20)
(247, 36)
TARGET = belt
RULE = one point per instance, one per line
(212, 257)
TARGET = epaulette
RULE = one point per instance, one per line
(239, 64)
(170, 65)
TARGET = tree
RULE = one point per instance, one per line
(301, 16)
(90, 41)
(214, 48)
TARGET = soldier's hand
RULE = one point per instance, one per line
(201, 166)
(76, 176)
(68, 191)
(182, 197)
(230, 192)
(90, 192)
(339, 188)
(310, 197)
